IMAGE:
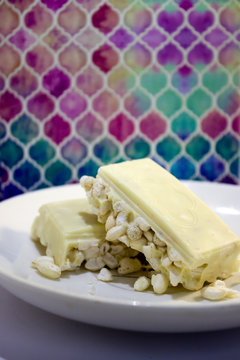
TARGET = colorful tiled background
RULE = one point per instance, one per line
(87, 82)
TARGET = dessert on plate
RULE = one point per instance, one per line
(153, 224)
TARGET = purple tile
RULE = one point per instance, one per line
(185, 37)
(24, 82)
(57, 129)
(22, 39)
(154, 38)
(201, 21)
(89, 127)
(105, 19)
(200, 55)
(236, 124)
(186, 4)
(56, 82)
(54, 5)
(74, 151)
(40, 105)
(73, 104)
(214, 124)
(170, 54)
(228, 180)
(10, 106)
(170, 21)
(121, 38)
(89, 81)
(105, 58)
(121, 127)
(216, 37)
(153, 125)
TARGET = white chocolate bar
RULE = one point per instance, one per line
(180, 236)
(73, 237)
(67, 228)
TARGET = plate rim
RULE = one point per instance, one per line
(178, 304)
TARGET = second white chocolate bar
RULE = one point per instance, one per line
(73, 237)
(66, 228)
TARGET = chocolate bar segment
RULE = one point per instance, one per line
(67, 229)
(149, 210)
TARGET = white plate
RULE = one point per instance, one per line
(80, 296)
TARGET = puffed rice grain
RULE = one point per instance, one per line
(105, 275)
(110, 261)
(159, 283)
(142, 283)
(110, 223)
(144, 226)
(45, 266)
(87, 182)
(121, 218)
(134, 232)
(115, 232)
(118, 206)
(95, 264)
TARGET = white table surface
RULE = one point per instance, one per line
(27, 332)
